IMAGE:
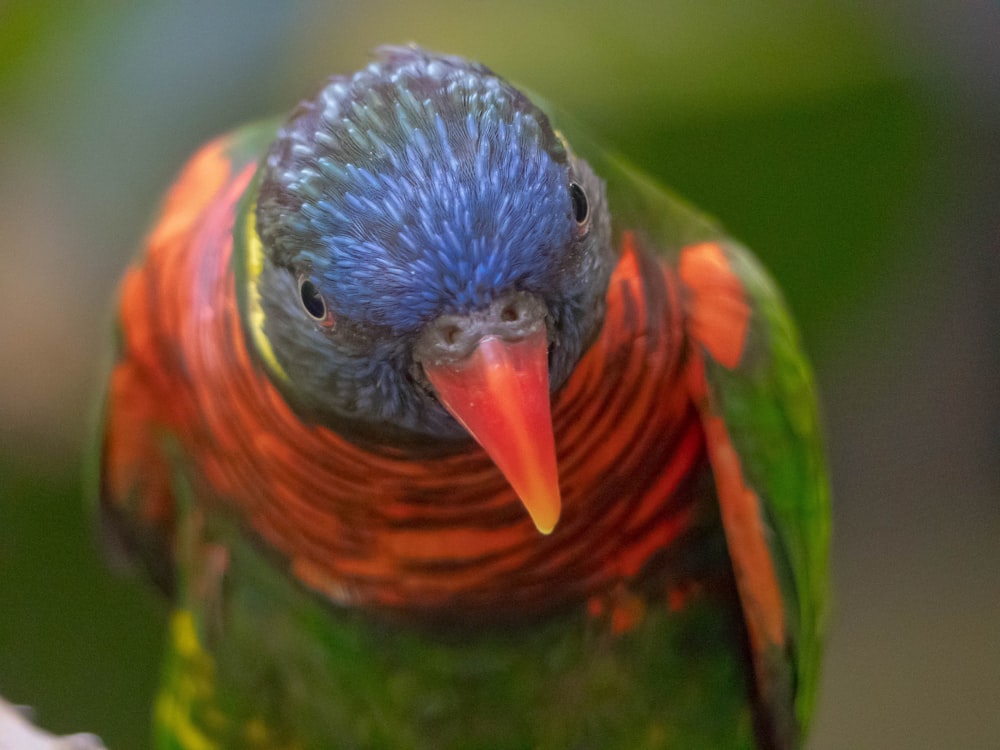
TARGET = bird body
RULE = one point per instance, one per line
(325, 312)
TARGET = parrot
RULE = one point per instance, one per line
(442, 427)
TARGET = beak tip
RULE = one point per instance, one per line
(545, 518)
(545, 530)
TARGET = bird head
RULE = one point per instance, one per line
(431, 263)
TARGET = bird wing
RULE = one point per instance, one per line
(755, 392)
(147, 404)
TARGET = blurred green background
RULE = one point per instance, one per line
(856, 148)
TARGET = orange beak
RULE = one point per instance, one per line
(500, 394)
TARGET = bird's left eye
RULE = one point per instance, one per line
(314, 303)
(581, 207)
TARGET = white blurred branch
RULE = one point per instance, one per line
(18, 733)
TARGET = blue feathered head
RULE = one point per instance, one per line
(419, 187)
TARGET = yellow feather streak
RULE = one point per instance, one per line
(255, 266)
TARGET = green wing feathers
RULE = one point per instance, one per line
(767, 401)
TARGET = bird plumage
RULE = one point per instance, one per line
(347, 566)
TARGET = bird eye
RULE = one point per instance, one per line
(581, 208)
(313, 302)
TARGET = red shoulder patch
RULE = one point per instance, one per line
(719, 315)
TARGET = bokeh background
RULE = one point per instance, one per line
(854, 146)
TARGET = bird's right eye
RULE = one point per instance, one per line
(581, 207)
(314, 303)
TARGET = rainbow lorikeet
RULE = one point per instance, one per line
(442, 433)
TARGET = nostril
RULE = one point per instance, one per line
(450, 334)
(454, 335)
